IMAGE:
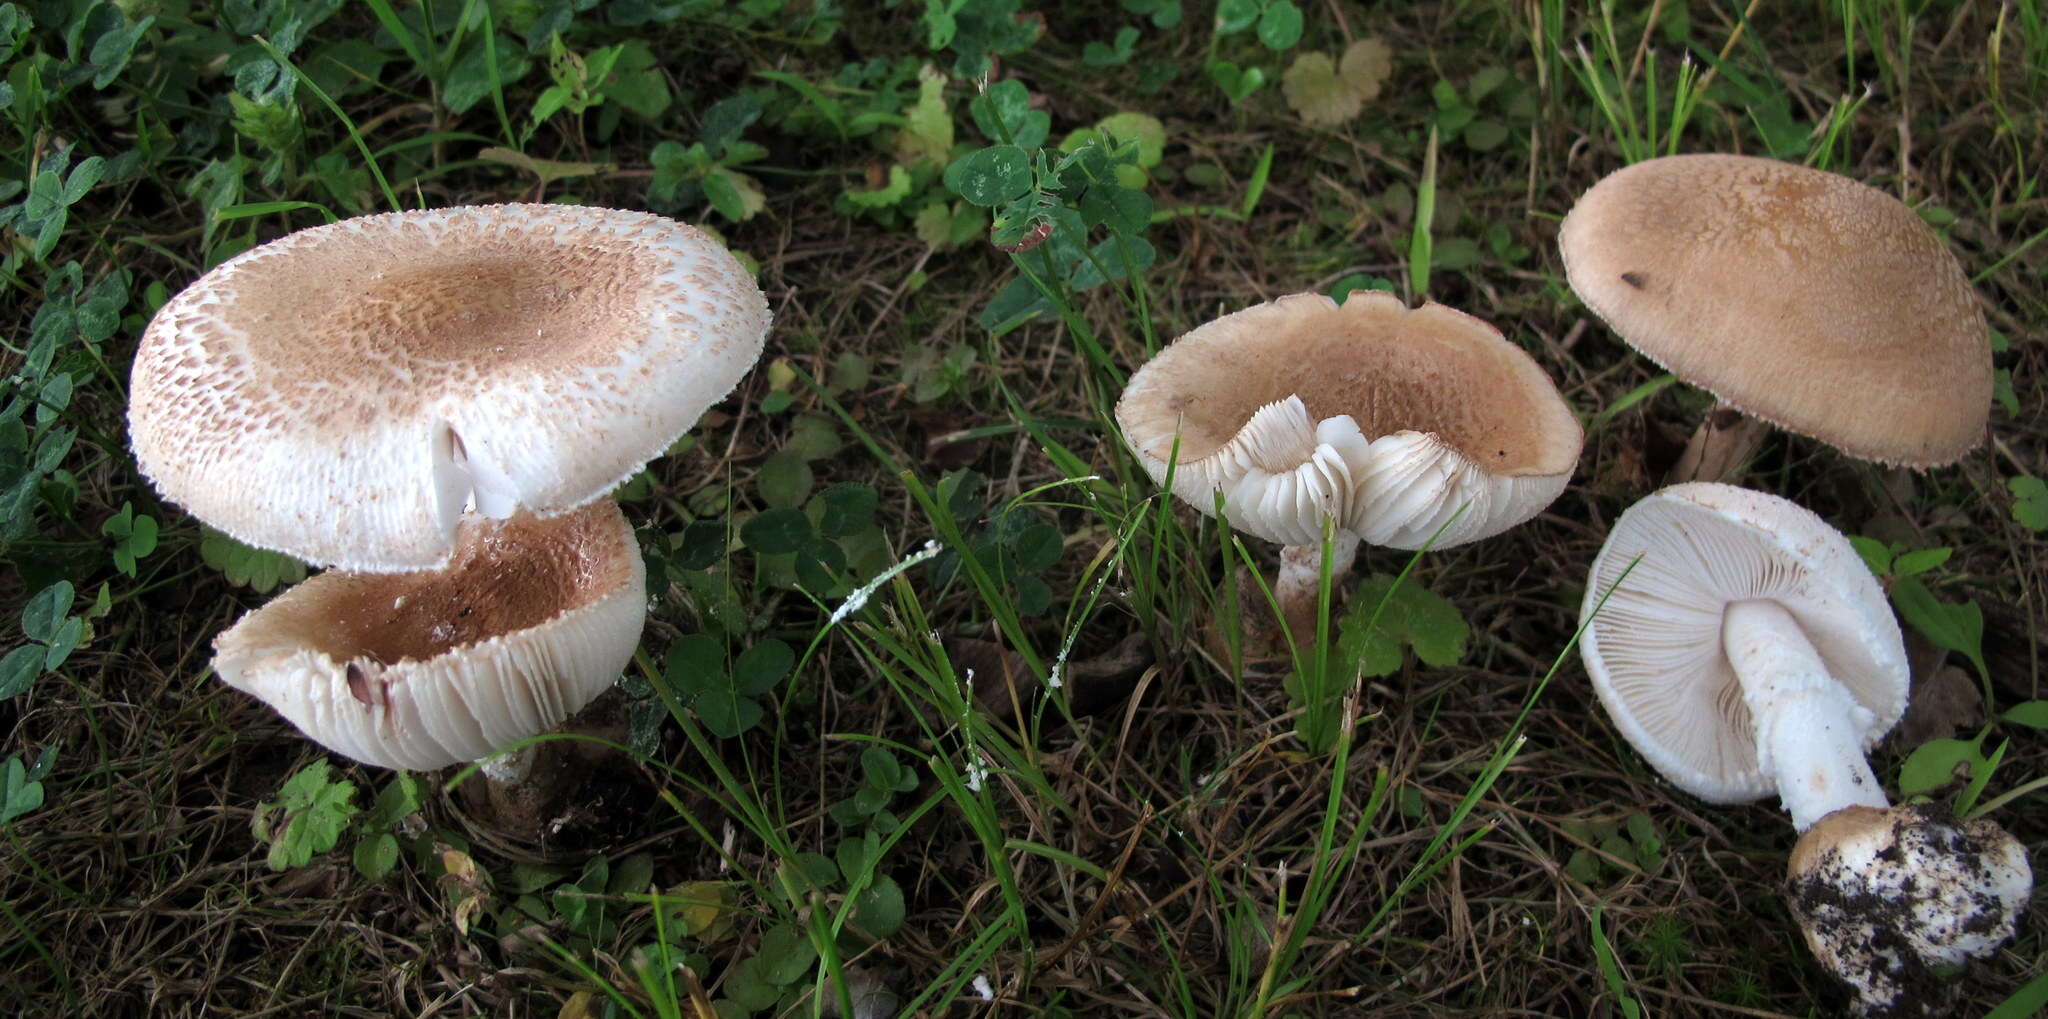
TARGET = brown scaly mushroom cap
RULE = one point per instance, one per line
(1886, 896)
(1800, 297)
(530, 619)
(1385, 418)
(342, 393)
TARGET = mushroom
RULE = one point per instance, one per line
(342, 393)
(1740, 644)
(1797, 297)
(528, 621)
(1400, 425)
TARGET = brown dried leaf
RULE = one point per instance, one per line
(1366, 66)
(1941, 704)
(1329, 92)
(1314, 90)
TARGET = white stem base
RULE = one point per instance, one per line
(1301, 576)
(512, 768)
(1809, 728)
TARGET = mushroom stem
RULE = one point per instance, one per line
(1301, 576)
(1721, 447)
(1808, 725)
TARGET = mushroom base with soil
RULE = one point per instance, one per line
(1887, 896)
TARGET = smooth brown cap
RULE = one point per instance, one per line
(1804, 298)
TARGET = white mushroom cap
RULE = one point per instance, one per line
(528, 622)
(1385, 418)
(1801, 297)
(342, 393)
(1884, 896)
(1655, 651)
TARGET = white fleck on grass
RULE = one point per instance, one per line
(859, 598)
(982, 988)
(1057, 676)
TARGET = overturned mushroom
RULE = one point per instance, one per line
(342, 393)
(1742, 647)
(529, 620)
(1400, 425)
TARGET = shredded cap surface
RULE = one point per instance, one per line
(343, 393)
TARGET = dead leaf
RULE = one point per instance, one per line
(581, 1005)
(1366, 66)
(1329, 92)
(1940, 704)
(548, 170)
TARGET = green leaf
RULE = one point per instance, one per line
(1484, 135)
(724, 196)
(398, 800)
(70, 634)
(1876, 554)
(634, 875)
(761, 667)
(376, 855)
(1408, 613)
(1959, 628)
(1143, 128)
(1120, 208)
(1095, 54)
(1236, 82)
(700, 545)
(2032, 714)
(990, 176)
(18, 794)
(776, 531)
(880, 769)
(1280, 25)
(878, 909)
(19, 669)
(857, 856)
(888, 194)
(1933, 765)
(1235, 15)
(1018, 303)
(784, 482)
(848, 509)
(1004, 115)
(1038, 547)
(1911, 563)
(694, 661)
(2002, 391)
(2030, 502)
(260, 570)
(749, 985)
(44, 614)
(786, 955)
(318, 809)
